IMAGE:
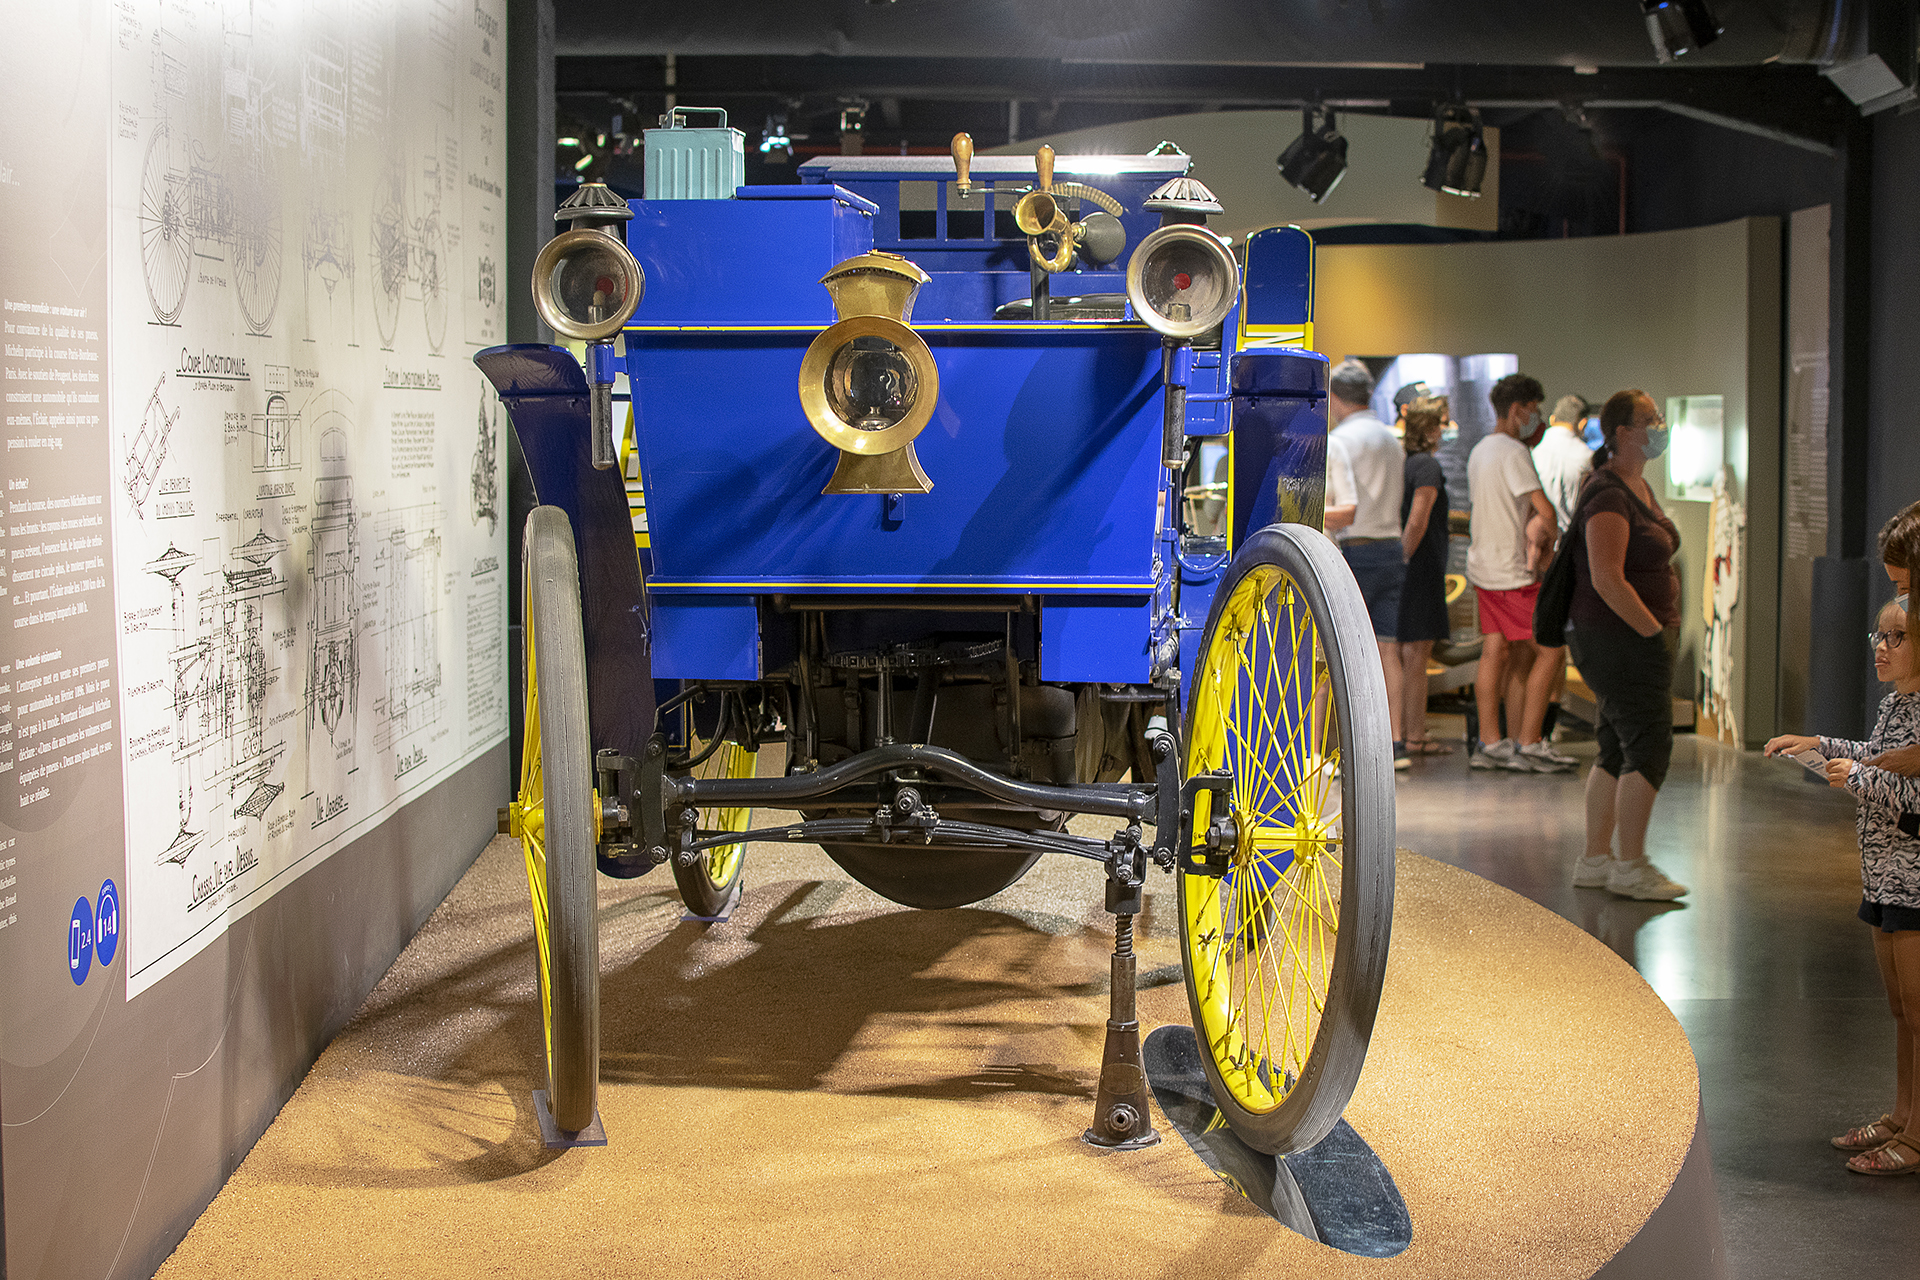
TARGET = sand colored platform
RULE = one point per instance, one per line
(830, 1085)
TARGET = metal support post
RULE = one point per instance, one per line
(1121, 1120)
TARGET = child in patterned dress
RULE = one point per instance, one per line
(1890, 883)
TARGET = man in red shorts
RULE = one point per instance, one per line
(1512, 537)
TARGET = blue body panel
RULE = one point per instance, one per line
(1279, 411)
(706, 638)
(1043, 452)
(1279, 438)
(1279, 277)
(1104, 638)
(754, 261)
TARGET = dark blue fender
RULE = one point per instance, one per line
(546, 397)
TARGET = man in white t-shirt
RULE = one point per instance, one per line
(1366, 471)
(1562, 457)
(1512, 535)
(1564, 462)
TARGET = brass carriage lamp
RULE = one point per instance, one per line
(586, 286)
(868, 384)
(1183, 282)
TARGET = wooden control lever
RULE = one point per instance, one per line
(963, 162)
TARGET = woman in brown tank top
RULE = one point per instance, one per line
(1626, 618)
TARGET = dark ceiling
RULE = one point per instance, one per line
(1200, 32)
(913, 72)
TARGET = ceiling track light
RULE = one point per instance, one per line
(1317, 159)
(1678, 27)
(1456, 152)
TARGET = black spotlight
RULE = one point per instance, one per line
(1456, 153)
(1678, 27)
(1317, 159)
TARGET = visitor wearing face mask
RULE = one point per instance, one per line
(1511, 534)
(1626, 622)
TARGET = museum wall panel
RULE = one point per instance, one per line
(1893, 429)
(1677, 313)
(253, 700)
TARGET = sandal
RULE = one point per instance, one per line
(1898, 1155)
(1874, 1133)
(1427, 747)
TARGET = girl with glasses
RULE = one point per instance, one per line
(1890, 884)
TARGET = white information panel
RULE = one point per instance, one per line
(308, 478)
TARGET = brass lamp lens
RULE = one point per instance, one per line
(586, 285)
(871, 384)
(1182, 281)
(590, 285)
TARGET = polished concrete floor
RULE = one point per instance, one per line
(1764, 964)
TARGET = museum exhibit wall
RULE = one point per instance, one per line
(1677, 313)
(1890, 441)
(1806, 410)
(1233, 153)
(253, 702)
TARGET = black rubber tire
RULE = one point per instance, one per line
(557, 656)
(704, 895)
(1338, 1049)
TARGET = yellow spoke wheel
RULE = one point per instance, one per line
(709, 882)
(556, 815)
(1286, 952)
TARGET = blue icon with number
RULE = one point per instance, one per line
(106, 925)
(80, 942)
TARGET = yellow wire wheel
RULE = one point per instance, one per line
(1286, 951)
(709, 882)
(556, 814)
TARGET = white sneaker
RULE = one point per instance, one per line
(1498, 755)
(1591, 873)
(1560, 756)
(1642, 880)
(1544, 759)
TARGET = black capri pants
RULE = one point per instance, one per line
(1632, 681)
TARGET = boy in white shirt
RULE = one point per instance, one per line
(1513, 532)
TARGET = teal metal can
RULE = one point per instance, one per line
(694, 164)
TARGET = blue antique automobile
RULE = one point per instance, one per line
(990, 489)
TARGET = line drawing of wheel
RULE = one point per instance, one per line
(166, 241)
(389, 275)
(709, 882)
(1286, 953)
(557, 817)
(257, 251)
(433, 282)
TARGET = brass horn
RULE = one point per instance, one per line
(1038, 213)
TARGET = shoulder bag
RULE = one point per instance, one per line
(1553, 607)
